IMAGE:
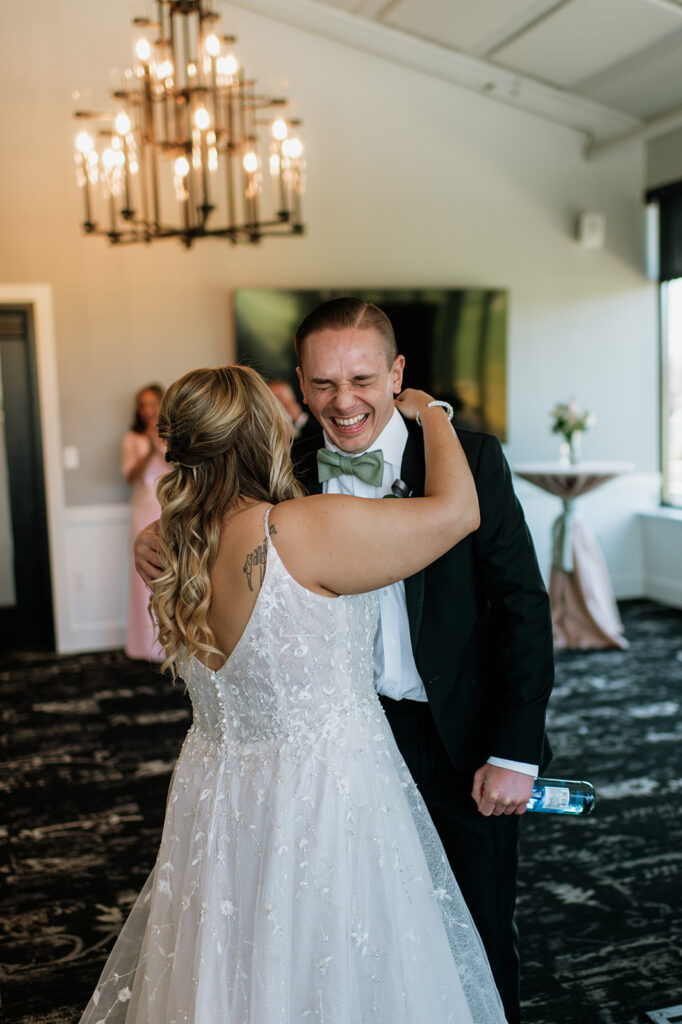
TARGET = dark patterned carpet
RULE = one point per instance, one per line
(88, 743)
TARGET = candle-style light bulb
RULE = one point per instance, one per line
(181, 168)
(227, 66)
(84, 143)
(250, 162)
(212, 159)
(292, 148)
(279, 129)
(202, 118)
(212, 45)
(93, 166)
(164, 70)
(122, 123)
(143, 50)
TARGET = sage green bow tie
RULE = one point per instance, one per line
(368, 467)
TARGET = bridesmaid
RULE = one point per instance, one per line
(143, 462)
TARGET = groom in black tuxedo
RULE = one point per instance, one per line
(463, 661)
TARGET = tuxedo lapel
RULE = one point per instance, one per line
(304, 455)
(413, 467)
(412, 472)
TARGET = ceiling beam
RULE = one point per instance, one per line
(513, 32)
(378, 9)
(485, 78)
(647, 130)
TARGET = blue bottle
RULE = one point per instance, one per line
(561, 796)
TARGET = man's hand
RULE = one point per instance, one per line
(147, 561)
(501, 790)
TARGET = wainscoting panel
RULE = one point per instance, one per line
(662, 544)
(97, 567)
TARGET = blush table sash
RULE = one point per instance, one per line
(584, 610)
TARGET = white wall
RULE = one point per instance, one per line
(412, 181)
(664, 159)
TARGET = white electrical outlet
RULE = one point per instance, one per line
(71, 457)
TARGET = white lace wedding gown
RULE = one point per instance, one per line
(299, 877)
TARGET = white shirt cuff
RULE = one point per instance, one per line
(515, 766)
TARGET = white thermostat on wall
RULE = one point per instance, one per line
(591, 230)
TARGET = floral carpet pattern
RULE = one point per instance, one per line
(87, 744)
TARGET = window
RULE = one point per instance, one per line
(671, 391)
(668, 198)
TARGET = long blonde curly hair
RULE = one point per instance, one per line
(227, 439)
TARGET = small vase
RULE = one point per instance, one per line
(574, 447)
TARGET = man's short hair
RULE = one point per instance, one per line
(345, 313)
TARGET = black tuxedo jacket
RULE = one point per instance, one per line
(479, 617)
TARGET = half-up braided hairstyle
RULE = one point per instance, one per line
(227, 438)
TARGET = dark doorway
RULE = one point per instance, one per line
(25, 593)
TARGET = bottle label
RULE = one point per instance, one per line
(556, 798)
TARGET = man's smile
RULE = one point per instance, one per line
(350, 424)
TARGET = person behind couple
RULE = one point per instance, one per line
(291, 879)
(463, 659)
(300, 420)
(142, 463)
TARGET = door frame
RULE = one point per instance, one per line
(39, 297)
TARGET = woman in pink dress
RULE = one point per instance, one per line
(143, 462)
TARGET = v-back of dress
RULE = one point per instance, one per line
(301, 666)
(299, 876)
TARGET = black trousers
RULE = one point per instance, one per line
(483, 852)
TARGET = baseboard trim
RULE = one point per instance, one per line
(664, 589)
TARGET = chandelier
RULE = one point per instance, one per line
(189, 132)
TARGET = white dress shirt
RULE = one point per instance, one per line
(395, 671)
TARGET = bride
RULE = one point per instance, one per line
(299, 877)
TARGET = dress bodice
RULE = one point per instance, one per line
(302, 661)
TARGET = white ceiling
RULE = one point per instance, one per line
(622, 54)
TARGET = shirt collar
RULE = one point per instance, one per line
(391, 440)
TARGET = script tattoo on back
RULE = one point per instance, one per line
(256, 561)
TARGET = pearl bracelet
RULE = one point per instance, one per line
(445, 405)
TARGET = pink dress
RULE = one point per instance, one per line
(144, 509)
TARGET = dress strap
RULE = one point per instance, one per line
(270, 548)
(267, 524)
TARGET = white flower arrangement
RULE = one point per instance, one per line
(569, 418)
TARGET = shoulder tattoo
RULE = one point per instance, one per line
(256, 561)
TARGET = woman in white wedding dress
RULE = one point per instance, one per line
(299, 877)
